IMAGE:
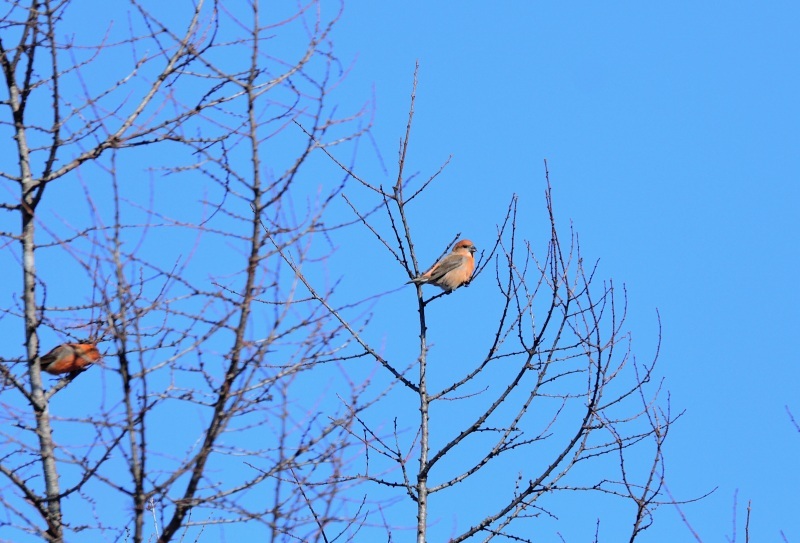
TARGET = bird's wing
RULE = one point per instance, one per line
(445, 265)
(55, 354)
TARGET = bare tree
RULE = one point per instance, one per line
(206, 391)
(551, 408)
(237, 386)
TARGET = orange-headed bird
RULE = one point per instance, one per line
(453, 270)
(69, 357)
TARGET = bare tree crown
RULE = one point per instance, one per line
(174, 197)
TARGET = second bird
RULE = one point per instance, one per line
(453, 270)
(70, 357)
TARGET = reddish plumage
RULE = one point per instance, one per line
(453, 270)
(69, 357)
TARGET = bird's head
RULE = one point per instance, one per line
(465, 245)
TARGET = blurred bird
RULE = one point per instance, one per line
(453, 270)
(70, 357)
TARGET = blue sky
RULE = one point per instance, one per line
(671, 134)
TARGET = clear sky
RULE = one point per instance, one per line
(672, 137)
(672, 134)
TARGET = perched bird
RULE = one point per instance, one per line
(453, 270)
(70, 357)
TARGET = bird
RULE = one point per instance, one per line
(70, 357)
(453, 270)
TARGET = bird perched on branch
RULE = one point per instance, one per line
(453, 270)
(70, 357)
